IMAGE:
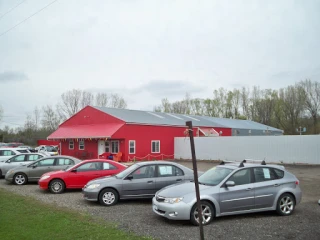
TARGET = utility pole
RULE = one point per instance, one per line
(195, 173)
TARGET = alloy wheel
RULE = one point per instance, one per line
(206, 214)
(20, 179)
(286, 204)
(108, 198)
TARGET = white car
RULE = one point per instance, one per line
(18, 160)
(6, 153)
(49, 150)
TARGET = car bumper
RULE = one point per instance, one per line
(9, 179)
(90, 195)
(43, 185)
(176, 211)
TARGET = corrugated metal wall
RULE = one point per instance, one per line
(278, 149)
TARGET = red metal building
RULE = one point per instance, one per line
(136, 134)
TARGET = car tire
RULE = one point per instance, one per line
(208, 213)
(57, 186)
(108, 197)
(286, 204)
(20, 179)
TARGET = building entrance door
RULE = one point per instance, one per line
(101, 147)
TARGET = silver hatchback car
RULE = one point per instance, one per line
(230, 189)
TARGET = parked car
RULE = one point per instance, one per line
(140, 180)
(33, 171)
(17, 160)
(229, 189)
(49, 150)
(6, 152)
(77, 176)
(31, 149)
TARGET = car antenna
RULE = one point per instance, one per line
(263, 162)
(222, 163)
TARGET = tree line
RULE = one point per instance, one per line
(45, 119)
(287, 108)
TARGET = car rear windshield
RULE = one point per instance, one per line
(214, 175)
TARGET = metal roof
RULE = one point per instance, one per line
(160, 118)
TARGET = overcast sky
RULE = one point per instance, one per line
(148, 50)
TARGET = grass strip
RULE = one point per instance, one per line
(25, 218)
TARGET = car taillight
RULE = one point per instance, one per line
(297, 182)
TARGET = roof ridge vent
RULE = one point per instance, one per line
(191, 118)
(174, 116)
(155, 115)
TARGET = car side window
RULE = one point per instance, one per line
(19, 158)
(46, 162)
(34, 157)
(64, 161)
(144, 172)
(262, 174)
(91, 166)
(108, 166)
(8, 153)
(169, 171)
(279, 173)
(241, 177)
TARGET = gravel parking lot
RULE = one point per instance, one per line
(137, 216)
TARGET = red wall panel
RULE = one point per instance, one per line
(89, 116)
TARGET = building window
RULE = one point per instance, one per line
(81, 144)
(132, 146)
(155, 146)
(107, 146)
(114, 146)
(71, 144)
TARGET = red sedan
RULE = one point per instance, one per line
(78, 175)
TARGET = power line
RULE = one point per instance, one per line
(27, 18)
(12, 9)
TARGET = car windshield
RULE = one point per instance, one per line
(214, 175)
(126, 171)
(50, 149)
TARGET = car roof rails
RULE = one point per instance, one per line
(242, 163)
(224, 162)
(263, 162)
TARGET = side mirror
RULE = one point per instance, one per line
(8, 161)
(130, 177)
(230, 184)
(34, 166)
(74, 170)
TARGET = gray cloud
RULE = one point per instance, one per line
(165, 88)
(12, 76)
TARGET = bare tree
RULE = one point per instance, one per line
(36, 117)
(70, 103)
(117, 101)
(102, 99)
(50, 120)
(86, 99)
(1, 113)
(311, 91)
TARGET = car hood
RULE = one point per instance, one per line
(102, 180)
(180, 189)
(54, 172)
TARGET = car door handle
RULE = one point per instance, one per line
(276, 185)
(178, 180)
(150, 182)
(249, 189)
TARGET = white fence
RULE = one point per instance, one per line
(276, 149)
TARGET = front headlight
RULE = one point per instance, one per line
(173, 200)
(45, 177)
(92, 186)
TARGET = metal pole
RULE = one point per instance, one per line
(195, 173)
